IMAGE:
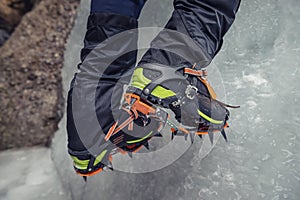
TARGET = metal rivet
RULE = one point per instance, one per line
(146, 91)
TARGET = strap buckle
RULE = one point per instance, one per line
(191, 92)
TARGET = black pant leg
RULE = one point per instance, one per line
(107, 19)
(203, 22)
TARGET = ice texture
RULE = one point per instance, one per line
(259, 65)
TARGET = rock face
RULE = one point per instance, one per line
(31, 101)
(11, 13)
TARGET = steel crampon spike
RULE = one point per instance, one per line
(110, 167)
(224, 135)
(185, 136)
(192, 136)
(146, 145)
(211, 136)
(158, 135)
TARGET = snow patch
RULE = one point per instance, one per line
(257, 119)
(256, 79)
(29, 174)
(251, 104)
(238, 83)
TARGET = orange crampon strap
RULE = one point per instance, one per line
(136, 106)
(194, 72)
(206, 132)
(114, 129)
(185, 131)
(201, 75)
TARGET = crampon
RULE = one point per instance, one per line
(144, 117)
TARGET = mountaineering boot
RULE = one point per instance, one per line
(127, 135)
(185, 91)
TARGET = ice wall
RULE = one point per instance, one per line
(259, 64)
